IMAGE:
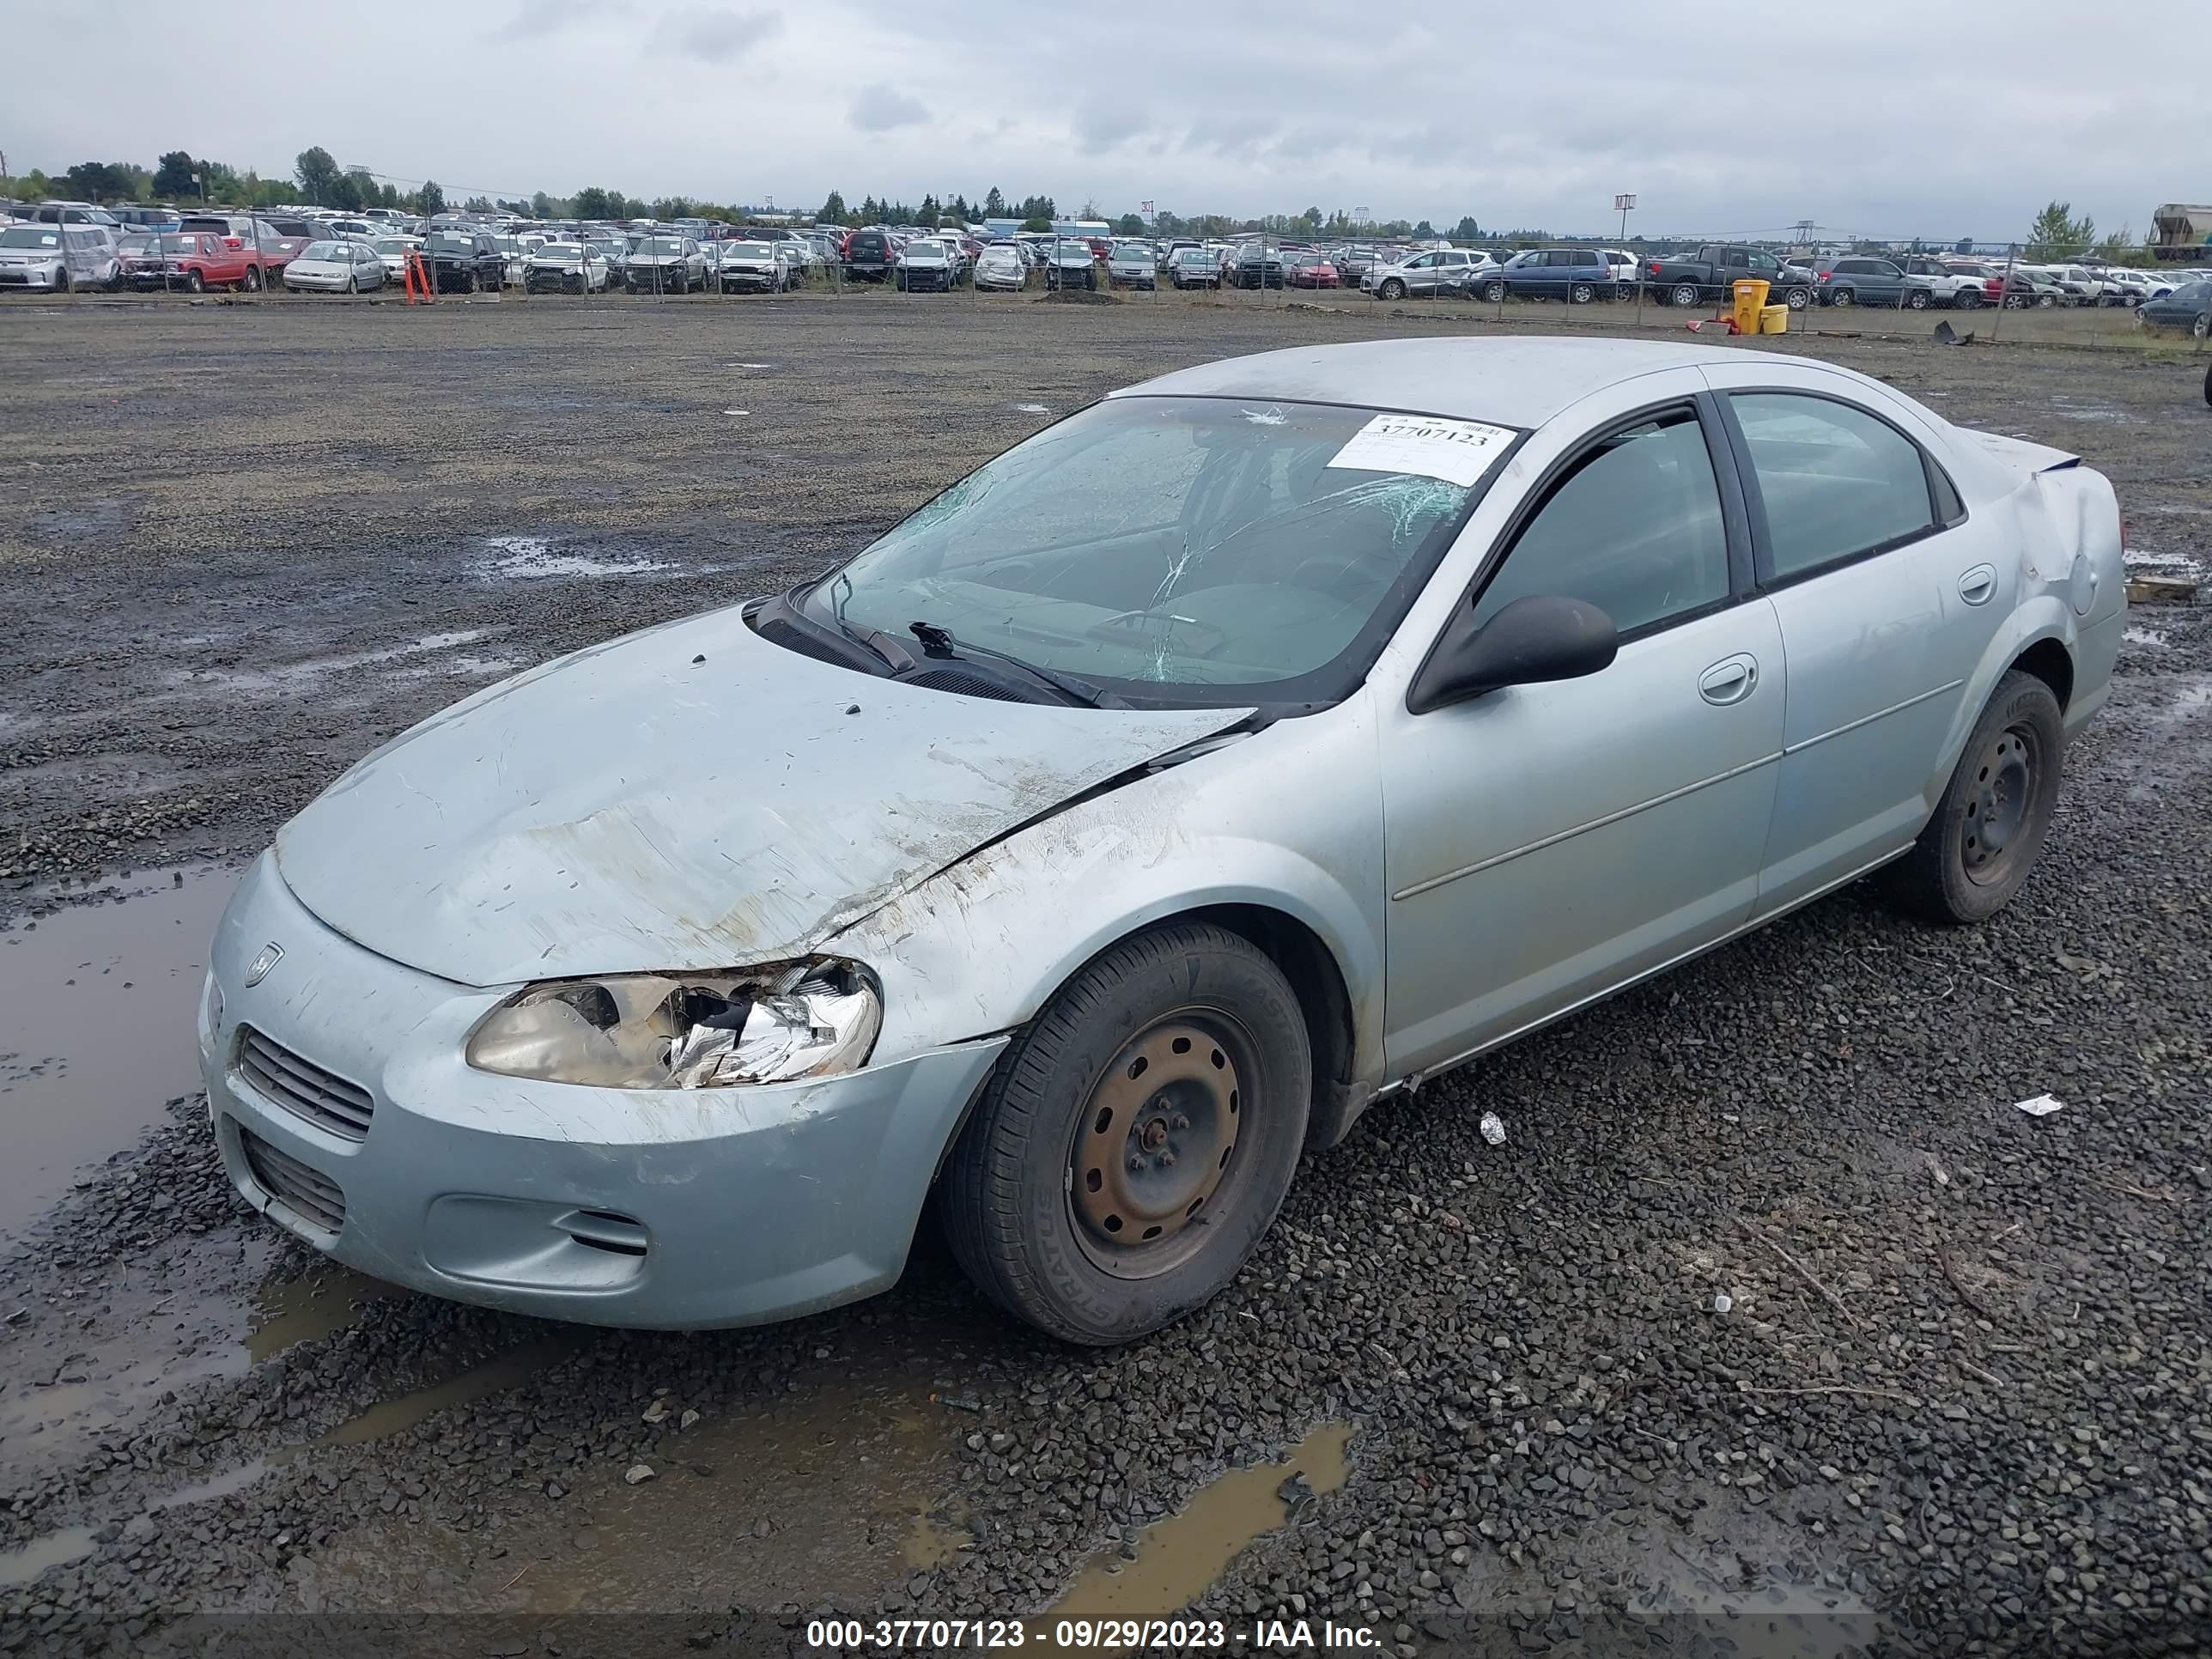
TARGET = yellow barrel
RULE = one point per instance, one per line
(1774, 319)
(1750, 300)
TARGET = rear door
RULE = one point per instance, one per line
(1887, 602)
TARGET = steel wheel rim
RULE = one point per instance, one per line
(1999, 802)
(1156, 1144)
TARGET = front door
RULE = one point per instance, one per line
(1547, 842)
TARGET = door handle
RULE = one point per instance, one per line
(1978, 584)
(1729, 680)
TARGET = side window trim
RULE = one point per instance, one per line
(1702, 406)
(1766, 581)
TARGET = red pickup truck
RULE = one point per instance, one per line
(195, 260)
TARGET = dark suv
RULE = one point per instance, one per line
(1577, 275)
(870, 256)
(461, 262)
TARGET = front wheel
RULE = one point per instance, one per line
(194, 283)
(1917, 298)
(1392, 289)
(1982, 840)
(1135, 1142)
(353, 284)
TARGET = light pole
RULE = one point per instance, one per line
(1624, 204)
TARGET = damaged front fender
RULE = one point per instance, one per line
(1287, 821)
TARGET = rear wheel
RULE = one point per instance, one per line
(1842, 296)
(253, 279)
(1136, 1140)
(2045, 301)
(1798, 298)
(1685, 294)
(1986, 831)
(1581, 294)
(2202, 328)
(1968, 300)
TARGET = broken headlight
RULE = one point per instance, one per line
(803, 1020)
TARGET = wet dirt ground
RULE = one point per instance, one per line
(1958, 1395)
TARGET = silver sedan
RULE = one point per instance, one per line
(1249, 746)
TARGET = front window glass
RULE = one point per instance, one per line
(1160, 542)
(1635, 529)
(1836, 481)
(322, 249)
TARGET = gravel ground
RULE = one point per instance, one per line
(1956, 1400)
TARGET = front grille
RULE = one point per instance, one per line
(303, 1088)
(313, 1194)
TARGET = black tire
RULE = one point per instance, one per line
(194, 283)
(1916, 299)
(252, 284)
(1392, 289)
(1842, 296)
(62, 280)
(1968, 300)
(2202, 328)
(2045, 302)
(1495, 292)
(1008, 1198)
(353, 284)
(1581, 294)
(2008, 776)
(1686, 293)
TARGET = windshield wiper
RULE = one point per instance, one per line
(938, 642)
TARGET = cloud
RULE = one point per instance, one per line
(876, 108)
(715, 34)
(539, 20)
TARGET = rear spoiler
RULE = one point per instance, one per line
(2028, 458)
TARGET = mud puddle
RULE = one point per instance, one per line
(523, 558)
(825, 1490)
(504, 1370)
(1177, 1559)
(308, 1308)
(20, 1567)
(96, 1033)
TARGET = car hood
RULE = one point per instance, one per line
(688, 797)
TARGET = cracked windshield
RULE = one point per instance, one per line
(1163, 541)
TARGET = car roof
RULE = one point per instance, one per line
(1512, 382)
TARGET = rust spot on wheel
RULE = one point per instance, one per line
(1159, 1132)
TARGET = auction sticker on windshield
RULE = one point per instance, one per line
(1426, 446)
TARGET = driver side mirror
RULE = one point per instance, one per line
(1546, 636)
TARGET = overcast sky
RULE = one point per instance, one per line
(1878, 117)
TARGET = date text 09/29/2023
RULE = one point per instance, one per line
(1086, 1635)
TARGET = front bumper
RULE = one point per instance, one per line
(319, 280)
(37, 277)
(668, 1210)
